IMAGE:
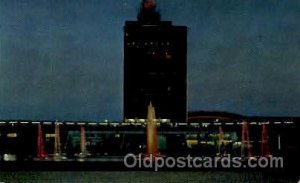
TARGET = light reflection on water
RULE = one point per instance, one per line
(138, 176)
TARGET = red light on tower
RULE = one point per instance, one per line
(149, 4)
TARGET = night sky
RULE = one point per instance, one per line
(63, 59)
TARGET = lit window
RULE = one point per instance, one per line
(168, 55)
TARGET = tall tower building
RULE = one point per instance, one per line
(155, 66)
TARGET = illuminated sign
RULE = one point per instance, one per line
(50, 135)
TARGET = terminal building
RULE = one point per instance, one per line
(155, 54)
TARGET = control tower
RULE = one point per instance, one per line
(155, 64)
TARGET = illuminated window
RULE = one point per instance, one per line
(168, 55)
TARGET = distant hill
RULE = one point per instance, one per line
(198, 116)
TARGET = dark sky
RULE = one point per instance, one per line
(63, 59)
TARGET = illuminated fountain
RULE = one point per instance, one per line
(264, 145)
(151, 132)
(221, 144)
(83, 152)
(245, 144)
(40, 144)
(57, 144)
